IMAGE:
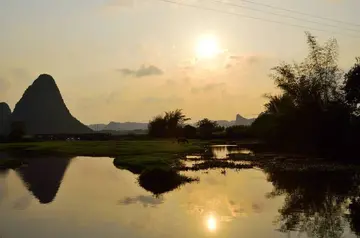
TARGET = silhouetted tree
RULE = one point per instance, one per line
(354, 216)
(175, 121)
(169, 125)
(314, 82)
(206, 127)
(352, 86)
(311, 110)
(157, 127)
(279, 104)
(238, 132)
(264, 126)
(189, 131)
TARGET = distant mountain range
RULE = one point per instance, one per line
(130, 126)
(42, 110)
(119, 126)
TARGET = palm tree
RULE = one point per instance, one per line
(175, 120)
(206, 127)
(168, 125)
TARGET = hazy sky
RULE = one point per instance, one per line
(129, 60)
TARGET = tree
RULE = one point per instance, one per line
(314, 82)
(238, 132)
(175, 121)
(311, 110)
(279, 104)
(206, 127)
(169, 125)
(189, 131)
(265, 127)
(352, 86)
(157, 127)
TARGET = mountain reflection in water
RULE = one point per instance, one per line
(89, 197)
(43, 176)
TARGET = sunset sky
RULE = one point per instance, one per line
(129, 60)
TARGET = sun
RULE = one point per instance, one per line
(207, 47)
(211, 223)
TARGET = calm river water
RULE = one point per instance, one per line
(85, 197)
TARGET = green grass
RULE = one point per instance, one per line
(130, 154)
(104, 148)
(216, 164)
(7, 163)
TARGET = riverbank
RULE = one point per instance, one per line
(127, 153)
(140, 155)
(134, 155)
(104, 148)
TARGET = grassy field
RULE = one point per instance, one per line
(105, 148)
(131, 154)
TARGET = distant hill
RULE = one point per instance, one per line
(43, 111)
(240, 120)
(97, 127)
(119, 126)
(5, 117)
(243, 121)
(225, 123)
(125, 132)
(123, 126)
(131, 126)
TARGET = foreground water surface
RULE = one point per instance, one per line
(89, 197)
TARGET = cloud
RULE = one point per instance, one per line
(143, 71)
(257, 208)
(234, 60)
(170, 82)
(146, 201)
(236, 57)
(208, 87)
(188, 64)
(4, 85)
(16, 76)
(253, 59)
(22, 203)
(120, 3)
(334, 1)
(170, 99)
(240, 88)
(21, 74)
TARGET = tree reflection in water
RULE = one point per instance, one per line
(354, 216)
(316, 202)
(159, 181)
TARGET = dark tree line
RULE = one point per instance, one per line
(169, 125)
(172, 124)
(318, 108)
(161, 127)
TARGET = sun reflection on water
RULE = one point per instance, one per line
(211, 223)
